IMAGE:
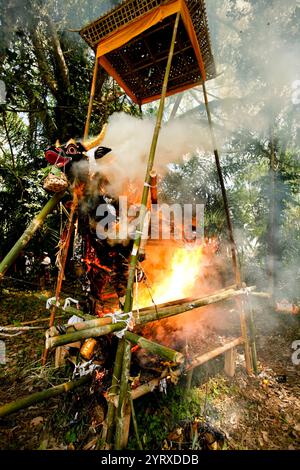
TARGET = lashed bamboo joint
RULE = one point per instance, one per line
(104, 326)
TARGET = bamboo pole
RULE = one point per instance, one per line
(37, 397)
(236, 269)
(135, 425)
(148, 387)
(64, 256)
(176, 106)
(36, 223)
(91, 100)
(147, 184)
(235, 264)
(262, 295)
(20, 328)
(109, 427)
(95, 322)
(243, 322)
(271, 237)
(56, 341)
(104, 328)
(122, 410)
(154, 197)
(189, 378)
(202, 358)
(151, 346)
(138, 238)
(252, 335)
(185, 307)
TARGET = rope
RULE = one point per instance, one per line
(85, 368)
(19, 330)
(11, 335)
(121, 317)
(149, 288)
(246, 291)
(50, 302)
(68, 302)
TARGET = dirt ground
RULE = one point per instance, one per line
(260, 412)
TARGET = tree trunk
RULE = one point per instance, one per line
(272, 223)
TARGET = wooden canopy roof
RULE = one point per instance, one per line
(132, 43)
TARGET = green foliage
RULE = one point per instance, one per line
(71, 436)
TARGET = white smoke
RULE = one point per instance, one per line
(130, 140)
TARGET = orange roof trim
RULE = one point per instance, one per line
(132, 46)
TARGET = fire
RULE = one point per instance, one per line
(174, 279)
(95, 262)
(79, 190)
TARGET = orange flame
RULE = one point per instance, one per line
(175, 278)
(95, 262)
(79, 190)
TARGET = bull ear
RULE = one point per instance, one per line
(57, 143)
(101, 152)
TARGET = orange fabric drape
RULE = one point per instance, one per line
(111, 71)
(127, 32)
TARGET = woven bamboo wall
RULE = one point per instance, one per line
(141, 62)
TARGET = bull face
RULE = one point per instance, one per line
(62, 155)
(73, 151)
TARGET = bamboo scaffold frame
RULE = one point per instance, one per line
(117, 415)
(103, 326)
(136, 393)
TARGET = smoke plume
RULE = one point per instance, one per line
(130, 140)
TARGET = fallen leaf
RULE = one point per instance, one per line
(37, 421)
(91, 444)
